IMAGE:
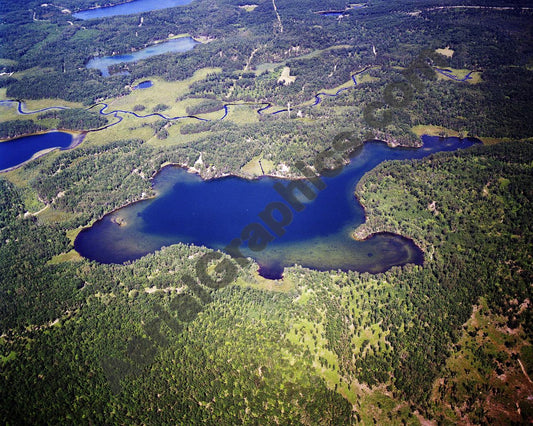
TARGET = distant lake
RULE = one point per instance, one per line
(212, 213)
(17, 151)
(137, 6)
(144, 85)
(182, 44)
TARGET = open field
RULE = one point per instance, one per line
(431, 130)
(446, 51)
(253, 167)
(71, 256)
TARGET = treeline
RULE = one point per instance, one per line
(204, 107)
(77, 86)
(14, 128)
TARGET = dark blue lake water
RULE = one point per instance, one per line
(214, 212)
(17, 151)
(137, 6)
(144, 85)
(332, 13)
(182, 44)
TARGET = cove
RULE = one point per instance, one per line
(15, 152)
(129, 8)
(181, 44)
(212, 213)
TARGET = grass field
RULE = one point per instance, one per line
(431, 130)
(446, 51)
(253, 168)
(71, 256)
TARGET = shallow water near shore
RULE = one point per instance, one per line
(213, 213)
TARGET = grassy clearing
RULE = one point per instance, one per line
(175, 137)
(249, 7)
(333, 90)
(286, 78)
(430, 130)
(365, 78)
(30, 199)
(32, 72)
(73, 233)
(446, 51)
(71, 256)
(9, 112)
(51, 216)
(18, 178)
(129, 128)
(161, 93)
(163, 97)
(253, 167)
(257, 282)
(243, 114)
(7, 62)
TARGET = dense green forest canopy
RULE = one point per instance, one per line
(148, 342)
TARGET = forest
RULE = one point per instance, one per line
(148, 342)
(342, 331)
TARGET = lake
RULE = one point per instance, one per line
(16, 151)
(137, 6)
(212, 213)
(143, 85)
(181, 44)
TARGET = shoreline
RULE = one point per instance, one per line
(73, 133)
(102, 7)
(392, 143)
(361, 233)
(193, 170)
